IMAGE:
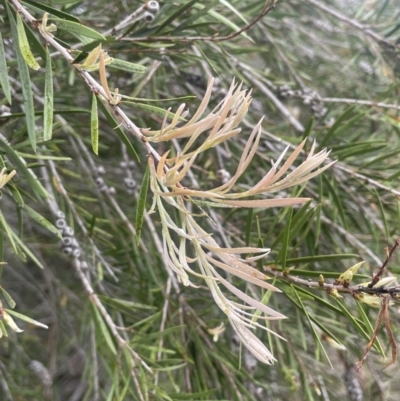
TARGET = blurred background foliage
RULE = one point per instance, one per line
(323, 69)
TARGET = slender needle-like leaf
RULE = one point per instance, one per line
(4, 81)
(25, 82)
(141, 207)
(94, 125)
(48, 100)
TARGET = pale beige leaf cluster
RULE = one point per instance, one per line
(205, 131)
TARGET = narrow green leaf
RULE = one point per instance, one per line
(62, 1)
(265, 300)
(318, 223)
(122, 303)
(298, 220)
(308, 127)
(119, 131)
(110, 396)
(226, 21)
(305, 231)
(382, 210)
(142, 204)
(48, 101)
(398, 213)
(322, 258)
(336, 200)
(24, 45)
(344, 127)
(336, 125)
(1, 253)
(42, 221)
(43, 157)
(378, 160)
(326, 274)
(19, 165)
(174, 16)
(354, 150)
(306, 219)
(22, 245)
(72, 110)
(26, 318)
(158, 111)
(122, 396)
(16, 195)
(86, 48)
(357, 326)
(127, 66)
(8, 298)
(4, 82)
(3, 329)
(170, 368)
(20, 223)
(229, 5)
(77, 29)
(325, 304)
(285, 240)
(312, 326)
(249, 221)
(25, 82)
(189, 23)
(104, 330)
(8, 231)
(94, 125)
(369, 327)
(53, 11)
(34, 42)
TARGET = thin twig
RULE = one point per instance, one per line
(369, 103)
(332, 288)
(385, 304)
(213, 38)
(384, 264)
(352, 22)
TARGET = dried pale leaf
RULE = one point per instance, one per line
(246, 249)
(204, 102)
(251, 301)
(190, 192)
(161, 164)
(252, 343)
(173, 178)
(92, 58)
(280, 202)
(10, 322)
(103, 75)
(243, 275)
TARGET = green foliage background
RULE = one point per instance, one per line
(347, 52)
